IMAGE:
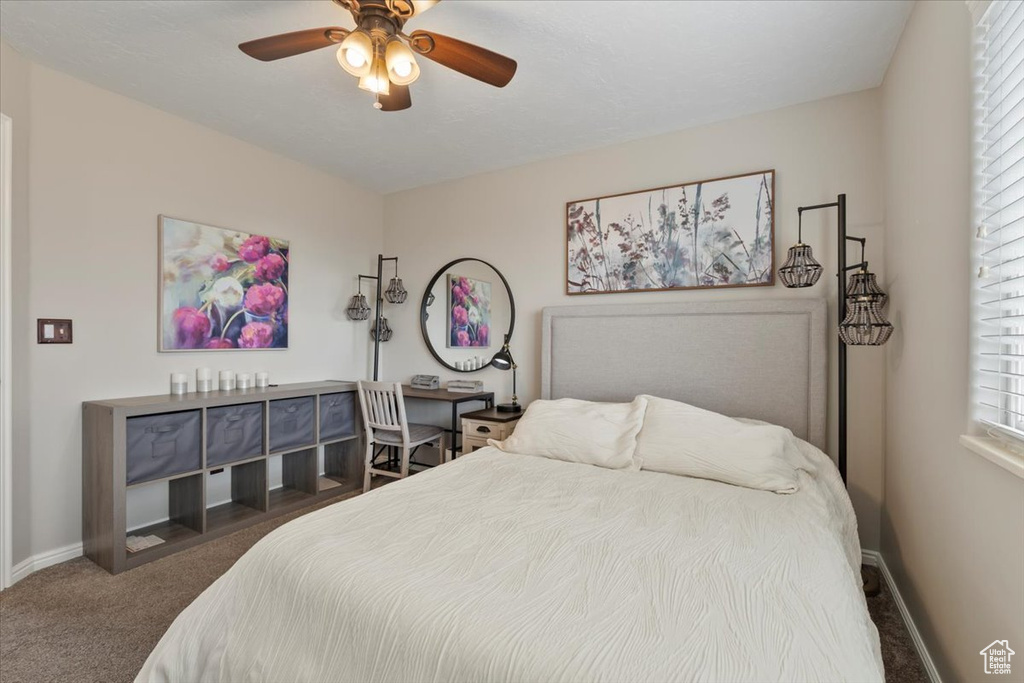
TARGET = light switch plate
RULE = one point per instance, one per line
(53, 331)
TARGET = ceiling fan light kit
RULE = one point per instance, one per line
(381, 56)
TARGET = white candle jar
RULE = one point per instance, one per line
(179, 384)
(204, 380)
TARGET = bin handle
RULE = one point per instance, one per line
(162, 429)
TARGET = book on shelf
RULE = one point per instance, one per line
(137, 543)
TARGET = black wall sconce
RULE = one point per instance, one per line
(359, 309)
(862, 322)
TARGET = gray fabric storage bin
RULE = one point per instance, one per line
(233, 433)
(292, 423)
(337, 415)
(163, 445)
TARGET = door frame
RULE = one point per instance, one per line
(6, 395)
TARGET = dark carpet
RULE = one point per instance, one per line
(75, 622)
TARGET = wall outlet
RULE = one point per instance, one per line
(53, 331)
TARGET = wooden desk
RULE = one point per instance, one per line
(456, 398)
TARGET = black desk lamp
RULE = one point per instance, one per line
(503, 361)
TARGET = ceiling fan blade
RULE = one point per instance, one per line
(466, 58)
(398, 99)
(295, 43)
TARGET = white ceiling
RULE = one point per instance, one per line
(591, 73)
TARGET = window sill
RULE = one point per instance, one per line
(995, 452)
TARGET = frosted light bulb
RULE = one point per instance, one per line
(375, 84)
(354, 58)
(403, 69)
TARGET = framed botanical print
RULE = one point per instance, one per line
(701, 235)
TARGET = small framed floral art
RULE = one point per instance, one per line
(707, 234)
(221, 289)
(469, 312)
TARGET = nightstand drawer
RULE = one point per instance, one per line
(483, 429)
(470, 444)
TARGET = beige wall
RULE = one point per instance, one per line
(14, 102)
(951, 526)
(101, 167)
(515, 220)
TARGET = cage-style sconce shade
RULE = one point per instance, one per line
(864, 324)
(358, 308)
(395, 293)
(800, 268)
(385, 330)
(863, 284)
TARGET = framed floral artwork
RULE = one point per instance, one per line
(469, 312)
(221, 289)
(706, 234)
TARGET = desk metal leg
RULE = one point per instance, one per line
(455, 428)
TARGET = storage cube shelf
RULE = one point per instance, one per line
(184, 519)
(224, 460)
(298, 476)
(248, 494)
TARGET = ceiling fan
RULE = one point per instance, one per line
(378, 53)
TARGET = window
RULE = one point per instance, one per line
(999, 206)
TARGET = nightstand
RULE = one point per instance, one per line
(480, 425)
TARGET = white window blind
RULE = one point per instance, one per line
(999, 206)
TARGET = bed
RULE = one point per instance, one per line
(512, 567)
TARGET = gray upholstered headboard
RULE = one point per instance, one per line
(760, 359)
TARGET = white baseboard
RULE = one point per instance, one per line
(873, 558)
(44, 560)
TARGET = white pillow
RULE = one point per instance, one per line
(681, 439)
(602, 434)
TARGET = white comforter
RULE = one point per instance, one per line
(503, 567)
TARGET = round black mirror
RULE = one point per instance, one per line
(466, 314)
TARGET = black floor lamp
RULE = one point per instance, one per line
(359, 309)
(862, 322)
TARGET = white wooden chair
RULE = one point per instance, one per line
(386, 425)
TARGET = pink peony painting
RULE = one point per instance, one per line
(469, 312)
(221, 289)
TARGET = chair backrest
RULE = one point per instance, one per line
(383, 408)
